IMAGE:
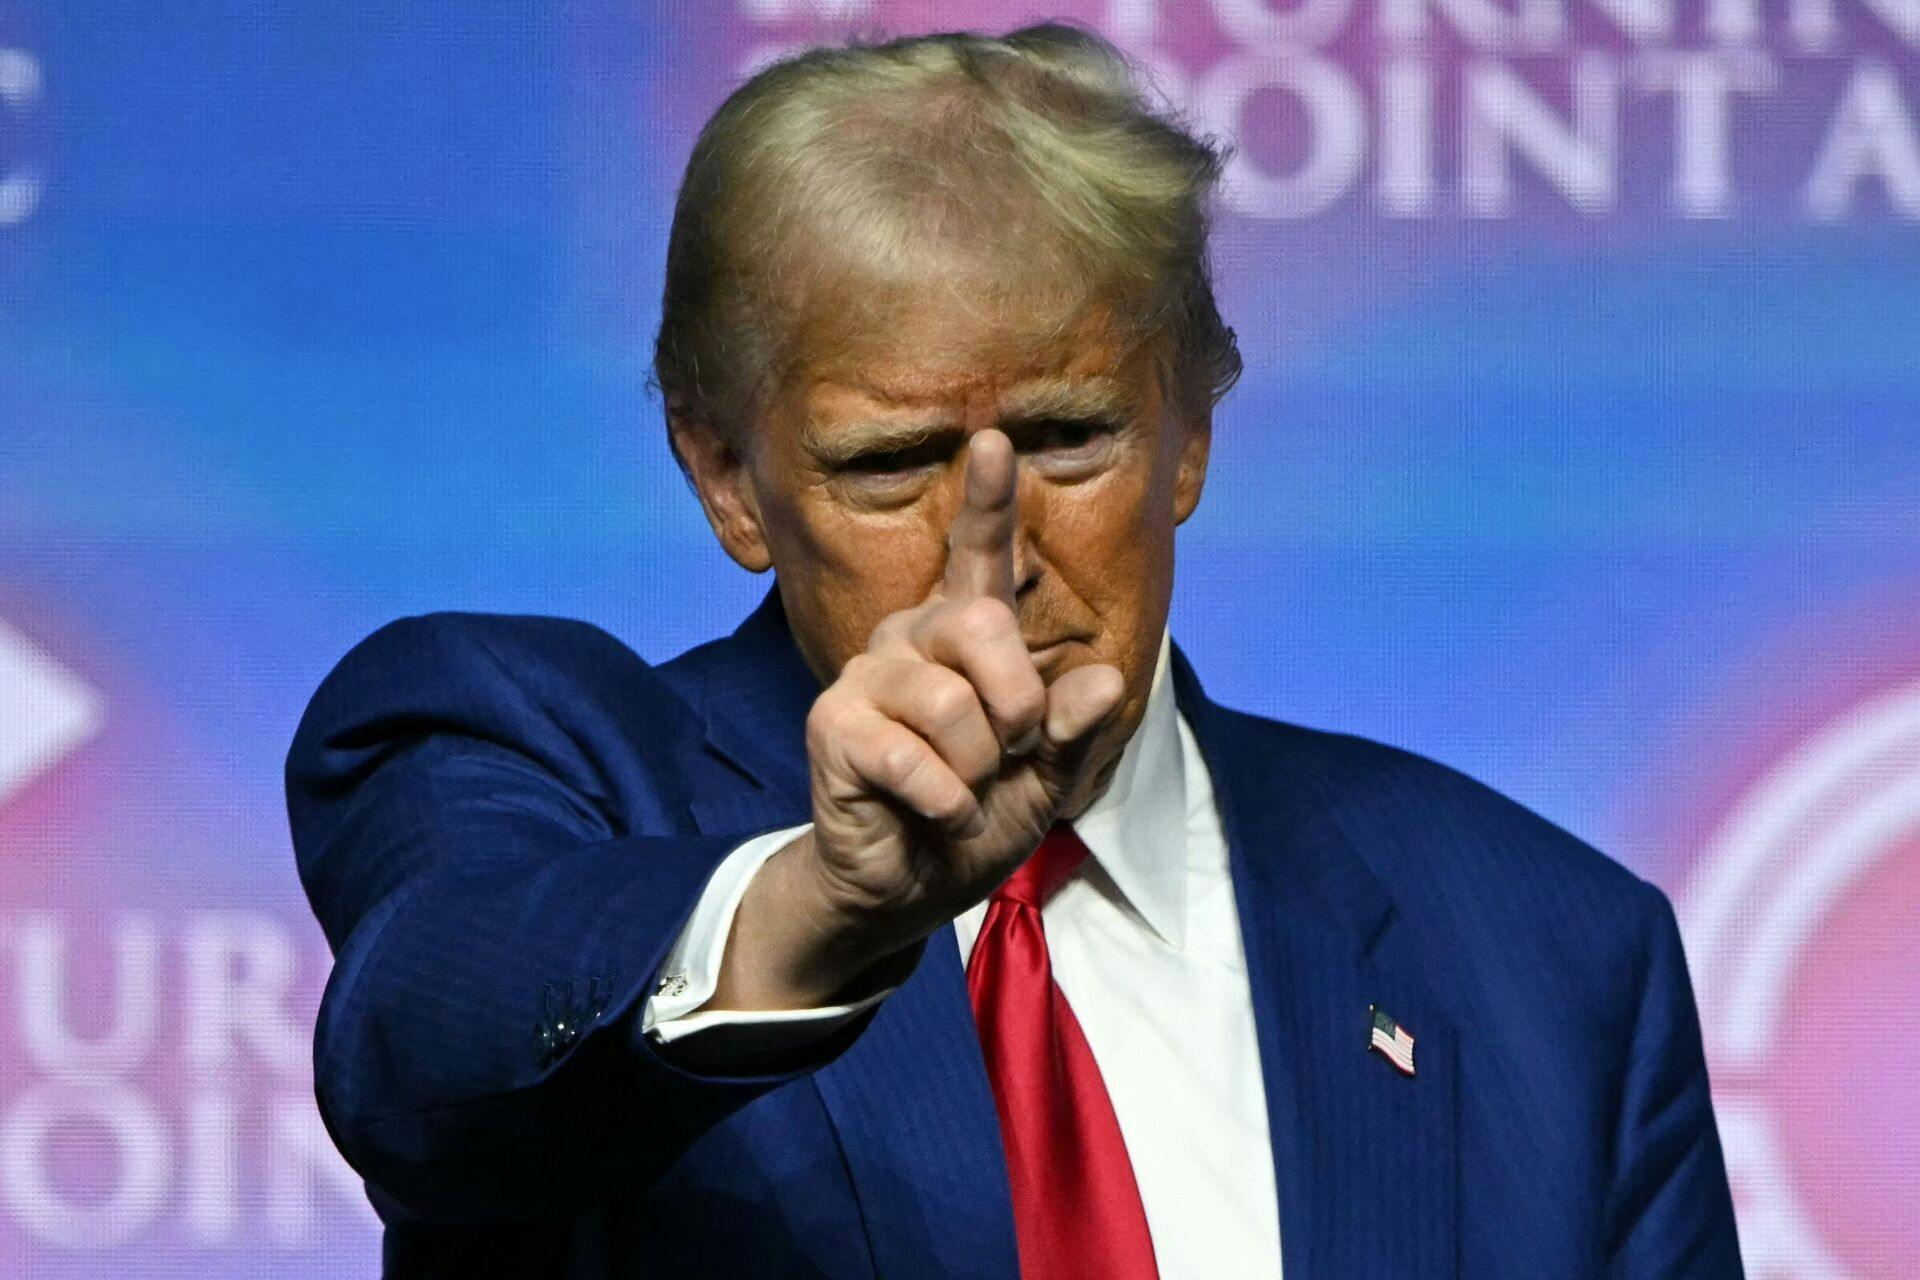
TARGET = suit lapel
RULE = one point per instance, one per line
(1364, 1157)
(909, 1099)
(752, 690)
(915, 1114)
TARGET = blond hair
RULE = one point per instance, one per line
(1031, 164)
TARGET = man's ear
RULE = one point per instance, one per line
(719, 476)
(1196, 443)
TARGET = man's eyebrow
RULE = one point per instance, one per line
(845, 441)
(1096, 398)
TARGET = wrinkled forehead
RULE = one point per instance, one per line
(952, 338)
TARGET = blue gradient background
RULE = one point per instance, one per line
(332, 313)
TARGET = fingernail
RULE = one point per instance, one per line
(1026, 744)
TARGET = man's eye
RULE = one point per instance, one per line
(1071, 434)
(890, 463)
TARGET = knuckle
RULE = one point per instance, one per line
(900, 761)
(828, 722)
(927, 622)
(823, 715)
(893, 629)
(1028, 704)
(985, 619)
(948, 697)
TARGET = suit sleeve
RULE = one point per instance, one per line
(1670, 1211)
(459, 810)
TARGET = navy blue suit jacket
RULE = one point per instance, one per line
(503, 822)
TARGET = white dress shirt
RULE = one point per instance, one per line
(1145, 943)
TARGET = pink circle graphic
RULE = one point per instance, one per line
(1799, 926)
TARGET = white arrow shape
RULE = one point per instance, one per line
(45, 711)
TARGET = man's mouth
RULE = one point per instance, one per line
(1044, 650)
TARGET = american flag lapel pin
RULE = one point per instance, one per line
(1391, 1039)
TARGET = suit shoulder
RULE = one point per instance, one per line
(563, 684)
(1511, 913)
(516, 640)
(474, 652)
(1431, 831)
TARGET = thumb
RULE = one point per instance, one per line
(1079, 705)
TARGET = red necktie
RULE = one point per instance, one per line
(1076, 1208)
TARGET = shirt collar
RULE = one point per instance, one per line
(1137, 828)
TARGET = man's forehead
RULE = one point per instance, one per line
(925, 364)
(940, 334)
(1024, 394)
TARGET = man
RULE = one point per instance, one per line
(936, 922)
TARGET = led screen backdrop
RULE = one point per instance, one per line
(1579, 447)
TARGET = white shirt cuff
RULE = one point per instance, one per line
(691, 972)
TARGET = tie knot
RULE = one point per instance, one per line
(1046, 869)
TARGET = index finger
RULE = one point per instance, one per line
(980, 540)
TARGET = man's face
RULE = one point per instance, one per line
(848, 483)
